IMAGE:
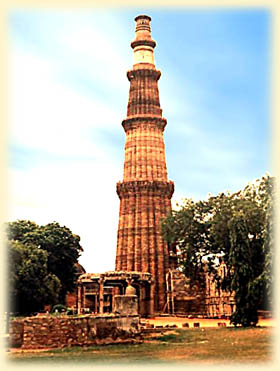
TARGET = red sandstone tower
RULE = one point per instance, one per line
(145, 192)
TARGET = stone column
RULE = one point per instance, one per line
(101, 295)
(152, 304)
(95, 303)
(79, 298)
(142, 301)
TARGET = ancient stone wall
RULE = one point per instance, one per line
(55, 332)
(218, 302)
(16, 332)
(184, 297)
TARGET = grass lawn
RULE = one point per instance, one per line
(202, 345)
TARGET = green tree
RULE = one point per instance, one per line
(188, 229)
(242, 271)
(236, 227)
(17, 230)
(31, 286)
(61, 245)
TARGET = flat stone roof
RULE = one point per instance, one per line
(116, 275)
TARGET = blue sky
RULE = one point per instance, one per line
(68, 94)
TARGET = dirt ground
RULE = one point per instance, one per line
(203, 322)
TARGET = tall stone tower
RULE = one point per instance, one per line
(145, 192)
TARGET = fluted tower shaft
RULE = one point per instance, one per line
(145, 192)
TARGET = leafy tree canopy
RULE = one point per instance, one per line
(237, 228)
(31, 286)
(61, 246)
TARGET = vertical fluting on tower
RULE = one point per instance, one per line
(145, 192)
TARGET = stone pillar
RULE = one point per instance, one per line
(152, 304)
(142, 301)
(95, 303)
(101, 295)
(80, 301)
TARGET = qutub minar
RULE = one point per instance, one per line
(145, 192)
(146, 267)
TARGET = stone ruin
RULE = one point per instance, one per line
(49, 331)
(108, 292)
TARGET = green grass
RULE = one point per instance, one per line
(210, 345)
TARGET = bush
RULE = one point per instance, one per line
(59, 308)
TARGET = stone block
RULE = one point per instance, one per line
(125, 305)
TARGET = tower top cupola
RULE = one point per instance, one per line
(143, 45)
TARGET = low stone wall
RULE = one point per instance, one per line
(16, 332)
(62, 331)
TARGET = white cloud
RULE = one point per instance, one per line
(50, 116)
(97, 54)
(79, 195)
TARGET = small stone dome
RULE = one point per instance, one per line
(130, 290)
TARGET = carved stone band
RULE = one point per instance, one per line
(142, 187)
(139, 120)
